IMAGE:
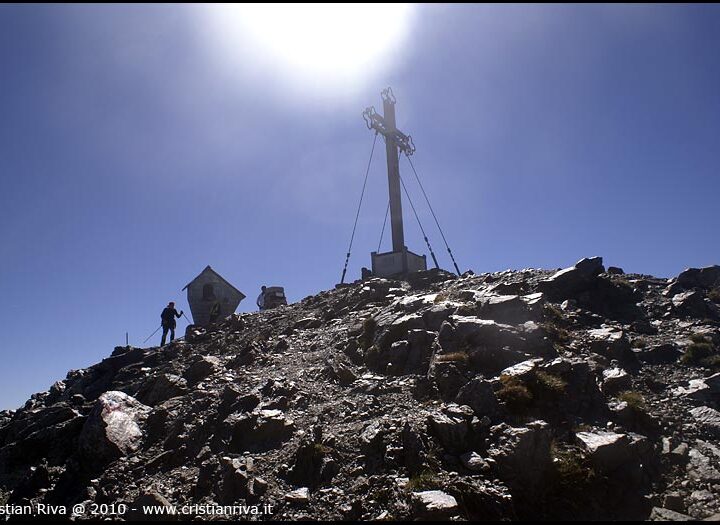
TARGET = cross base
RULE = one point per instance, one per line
(391, 264)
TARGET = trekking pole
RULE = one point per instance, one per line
(186, 318)
(152, 334)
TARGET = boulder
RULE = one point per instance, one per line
(475, 462)
(705, 278)
(569, 282)
(479, 395)
(146, 507)
(693, 304)
(615, 380)
(300, 496)
(308, 323)
(662, 514)
(448, 377)
(235, 481)
(433, 505)
(437, 314)
(523, 371)
(414, 449)
(606, 450)
(510, 309)
(492, 347)
(713, 383)
(696, 389)
(700, 466)
(708, 418)
(611, 343)
(452, 427)
(659, 354)
(522, 454)
(259, 431)
(200, 369)
(112, 429)
(161, 387)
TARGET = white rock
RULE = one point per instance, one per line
(434, 504)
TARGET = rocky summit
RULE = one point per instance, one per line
(583, 393)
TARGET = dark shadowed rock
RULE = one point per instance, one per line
(160, 388)
(452, 426)
(659, 354)
(522, 454)
(607, 450)
(201, 368)
(694, 304)
(615, 380)
(706, 278)
(571, 281)
(145, 507)
(479, 395)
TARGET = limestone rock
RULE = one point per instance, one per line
(615, 380)
(160, 388)
(112, 429)
(571, 281)
(522, 454)
(433, 505)
(700, 277)
(202, 368)
(607, 450)
(479, 395)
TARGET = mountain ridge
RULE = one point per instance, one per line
(583, 393)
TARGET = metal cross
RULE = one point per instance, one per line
(394, 140)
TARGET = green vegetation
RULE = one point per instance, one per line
(582, 427)
(635, 400)
(454, 357)
(3, 497)
(556, 333)
(570, 467)
(442, 296)
(714, 295)
(550, 383)
(701, 352)
(552, 313)
(639, 343)
(514, 393)
(553, 324)
(425, 480)
(699, 338)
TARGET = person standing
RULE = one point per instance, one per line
(261, 298)
(167, 318)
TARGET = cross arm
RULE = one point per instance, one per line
(373, 120)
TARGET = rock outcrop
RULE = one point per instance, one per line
(555, 395)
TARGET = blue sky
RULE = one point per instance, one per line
(138, 145)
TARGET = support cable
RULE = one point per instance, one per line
(362, 194)
(433, 214)
(382, 232)
(419, 224)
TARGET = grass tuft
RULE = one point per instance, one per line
(514, 393)
(454, 357)
(425, 480)
(635, 400)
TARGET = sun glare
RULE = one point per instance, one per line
(323, 40)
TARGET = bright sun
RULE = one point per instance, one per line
(318, 39)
